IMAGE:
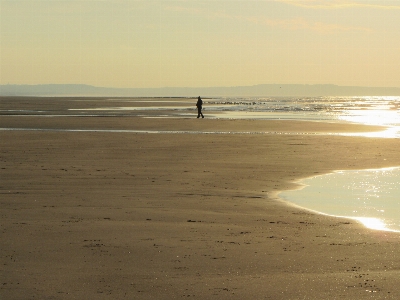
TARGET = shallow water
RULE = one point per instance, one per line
(384, 111)
(370, 196)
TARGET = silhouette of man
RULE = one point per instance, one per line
(199, 105)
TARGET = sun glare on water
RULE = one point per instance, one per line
(372, 117)
(369, 196)
(373, 223)
(381, 111)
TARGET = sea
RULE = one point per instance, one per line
(380, 111)
(370, 196)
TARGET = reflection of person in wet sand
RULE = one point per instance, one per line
(199, 105)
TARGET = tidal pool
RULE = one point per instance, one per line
(370, 196)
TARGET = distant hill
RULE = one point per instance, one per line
(236, 91)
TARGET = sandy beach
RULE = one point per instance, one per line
(125, 215)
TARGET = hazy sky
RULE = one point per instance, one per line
(128, 43)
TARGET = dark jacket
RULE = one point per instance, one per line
(199, 103)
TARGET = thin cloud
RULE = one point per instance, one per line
(337, 4)
(303, 24)
(288, 24)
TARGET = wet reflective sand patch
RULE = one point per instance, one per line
(369, 196)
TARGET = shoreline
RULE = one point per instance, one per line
(99, 215)
(364, 221)
(368, 221)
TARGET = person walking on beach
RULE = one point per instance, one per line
(199, 105)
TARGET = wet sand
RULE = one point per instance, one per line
(100, 215)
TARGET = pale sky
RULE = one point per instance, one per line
(137, 44)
